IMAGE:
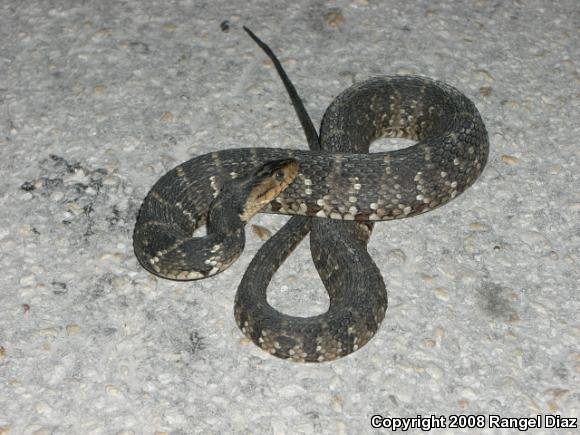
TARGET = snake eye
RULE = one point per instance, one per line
(279, 175)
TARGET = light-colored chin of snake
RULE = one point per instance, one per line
(269, 188)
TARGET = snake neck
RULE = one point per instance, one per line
(225, 213)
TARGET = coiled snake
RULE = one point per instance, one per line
(338, 181)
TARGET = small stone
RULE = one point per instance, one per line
(558, 394)
(340, 428)
(26, 230)
(533, 405)
(99, 89)
(510, 160)
(169, 27)
(103, 33)
(511, 104)
(485, 91)
(78, 176)
(4, 430)
(119, 281)
(429, 343)
(28, 186)
(262, 232)
(555, 169)
(434, 371)
(43, 408)
(28, 280)
(113, 391)
(2, 354)
(477, 226)
(37, 269)
(167, 117)
(292, 279)
(336, 403)
(72, 329)
(442, 294)
(428, 279)
(484, 75)
(46, 332)
(471, 245)
(110, 181)
(113, 256)
(396, 256)
(334, 18)
(74, 208)
(463, 403)
(139, 47)
(56, 196)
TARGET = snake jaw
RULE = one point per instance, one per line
(267, 183)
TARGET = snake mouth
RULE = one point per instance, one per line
(267, 183)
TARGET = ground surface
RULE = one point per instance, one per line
(99, 99)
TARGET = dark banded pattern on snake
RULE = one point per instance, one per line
(338, 183)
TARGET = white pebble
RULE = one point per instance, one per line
(56, 196)
(28, 280)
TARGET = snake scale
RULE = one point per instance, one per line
(336, 190)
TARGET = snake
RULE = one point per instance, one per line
(336, 190)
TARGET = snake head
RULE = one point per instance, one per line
(265, 183)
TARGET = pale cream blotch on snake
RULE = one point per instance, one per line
(338, 190)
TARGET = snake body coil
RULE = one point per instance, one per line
(337, 181)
